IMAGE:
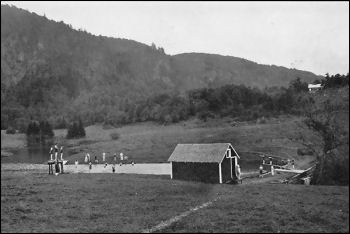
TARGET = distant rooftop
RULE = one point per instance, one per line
(314, 86)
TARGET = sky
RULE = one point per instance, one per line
(311, 36)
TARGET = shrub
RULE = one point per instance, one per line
(21, 124)
(107, 126)
(334, 172)
(305, 151)
(115, 136)
(261, 120)
(10, 130)
(204, 115)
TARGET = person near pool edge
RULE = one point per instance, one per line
(51, 153)
(61, 153)
(56, 151)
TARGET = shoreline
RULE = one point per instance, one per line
(142, 168)
(139, 168)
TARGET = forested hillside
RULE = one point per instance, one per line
(51, 71)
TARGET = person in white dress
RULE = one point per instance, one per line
(51, 153)
(61, 152)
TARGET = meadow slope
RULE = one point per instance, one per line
(153, 143)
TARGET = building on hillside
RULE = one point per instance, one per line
(213, 163)
(314, 87)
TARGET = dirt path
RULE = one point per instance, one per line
(249, 178)
(167, 223)
(252, 178)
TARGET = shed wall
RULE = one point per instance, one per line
(226, 169)
(204, 172)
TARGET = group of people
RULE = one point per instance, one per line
(55, 151)
(88, 160)
(56, 155)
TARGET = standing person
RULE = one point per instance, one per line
(121, 158)
(56, 152)
(51, 153)
(238, 173)
(61, 152)
(90, 166)
(103, 157)
(57, 168)
(261, 170)
(76, 163)
(113, 168)
(115, 158)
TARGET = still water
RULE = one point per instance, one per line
(39, 153)
(32, 154)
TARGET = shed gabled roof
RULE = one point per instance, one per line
(205, 153)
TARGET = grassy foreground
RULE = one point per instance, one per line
(32, 201)
(274, 208)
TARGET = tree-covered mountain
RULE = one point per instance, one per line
(50, 70)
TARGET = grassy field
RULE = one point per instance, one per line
(154, 143)
(273, 208)
(32, 201)
(150, 142)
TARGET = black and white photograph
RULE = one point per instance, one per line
(174, 117)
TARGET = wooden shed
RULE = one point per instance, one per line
(213, 163)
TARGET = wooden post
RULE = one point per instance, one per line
(220, 175)
(171, 170)
(50, 167)
(231, 168)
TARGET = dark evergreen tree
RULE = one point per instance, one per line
(81, 129)
(76, 130)
(33, 129)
